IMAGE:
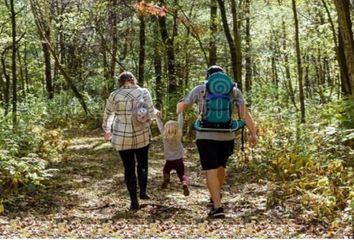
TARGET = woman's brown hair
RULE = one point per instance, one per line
(125, 77)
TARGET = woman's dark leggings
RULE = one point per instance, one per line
(128, 157)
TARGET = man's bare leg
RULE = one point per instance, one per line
(221, 176)
(214, 186)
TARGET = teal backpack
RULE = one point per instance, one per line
(217, 113)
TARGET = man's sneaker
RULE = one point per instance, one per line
(185, 190)
(217, 213)
(210, 204)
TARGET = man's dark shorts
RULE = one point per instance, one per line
(214, 154)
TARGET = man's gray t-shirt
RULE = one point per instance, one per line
(197, 96)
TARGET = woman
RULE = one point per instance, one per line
(131, 141)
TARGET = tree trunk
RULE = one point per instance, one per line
(275, 77)
(213, 32)
(237, 40)
(108, 81)
(248, 58)
(287, 68)
(68, 79)
(141, 50)
(158, 69)
(106, 49)
(230, 41)
(22, 76)
(343, 73)
(322, 74)
(114, 34)
(299, 63)
(47, 65)
(345, 24)
(26, 69)
(307, 77)
(170, 53)
(344, 77)
(13, 61)
(7, 83)
(2, 89)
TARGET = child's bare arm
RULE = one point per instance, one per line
(180, 121)
(159, 124)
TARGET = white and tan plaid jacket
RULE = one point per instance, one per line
(117, 118)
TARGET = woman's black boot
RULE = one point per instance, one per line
(143, 178)
(131, 185)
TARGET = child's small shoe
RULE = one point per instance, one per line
(166, 181)
(185, 190)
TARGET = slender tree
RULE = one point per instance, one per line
(213, 31)
(170, 52)
(47, 63)
(299, 63)
(37, 13)
(237, 39)
(248, 39)
(230, 41)
(340, 56)
(141, 50)
(11, 7)
(287, 66)
(113, 20)
(158, 68)
(345, 79)
(7, 81)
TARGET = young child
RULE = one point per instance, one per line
(173, 151)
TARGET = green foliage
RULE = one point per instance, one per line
(310, 159)
(16, 172)
(26, 150)
(341, 112)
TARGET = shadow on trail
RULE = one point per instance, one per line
(79, 168)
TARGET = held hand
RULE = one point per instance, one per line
(181, 106)
(107, 136)
(253, 140)
(157, 112)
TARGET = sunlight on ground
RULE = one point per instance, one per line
(88, 199)
(89, 143)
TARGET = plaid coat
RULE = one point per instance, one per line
(117, 118)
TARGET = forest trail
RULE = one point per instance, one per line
(87, 198)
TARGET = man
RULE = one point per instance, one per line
(216, 147)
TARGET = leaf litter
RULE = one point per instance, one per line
(87, 198)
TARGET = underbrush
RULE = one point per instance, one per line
(27, 148)
(310, 163)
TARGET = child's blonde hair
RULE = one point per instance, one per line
(172, 132)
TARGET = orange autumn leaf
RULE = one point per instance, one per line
(149, 8)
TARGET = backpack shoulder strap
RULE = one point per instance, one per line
(142, 92)
(204, 94)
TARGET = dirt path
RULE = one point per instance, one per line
(87, 198)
